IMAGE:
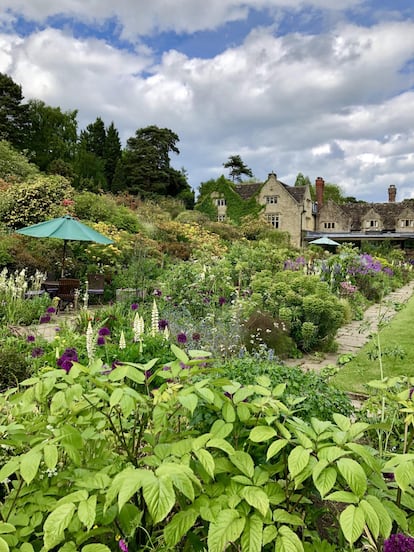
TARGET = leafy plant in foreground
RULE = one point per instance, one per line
(92, 456)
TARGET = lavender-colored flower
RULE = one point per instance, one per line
(399, 543)
(166, 368)
(134, 306)
(51, 310)
(71, 353)
(123, 545)
(196, 336)
(45, 319)
(182, 338)
(30, 338)
(37, 352)
(66, 365)
(66, 360)
(162, 324)
(104, 331)
(101, 340)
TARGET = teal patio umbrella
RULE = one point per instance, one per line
(324, 240)
(67, 229)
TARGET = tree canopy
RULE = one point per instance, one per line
(13, 113)
(237, 168)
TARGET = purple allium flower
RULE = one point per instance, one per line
(196, 336)
(134, 306)
(30, 338)
(37, 352)
(45, 319)
(100, 340)
(66, 365)
(104, 331)
(221, 301)
(57, 329)
(68, 357)
(182, 338)
(399, 543)
(123, 545)
(71, 353)
(51, 310)
(162, 324)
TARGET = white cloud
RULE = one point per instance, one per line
(335, 104)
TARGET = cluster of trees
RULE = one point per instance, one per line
(94, 158)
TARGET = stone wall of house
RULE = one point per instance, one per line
(331, 218)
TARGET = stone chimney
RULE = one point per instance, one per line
(392, 193)
(319, 186)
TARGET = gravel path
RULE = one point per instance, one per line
(351, 337)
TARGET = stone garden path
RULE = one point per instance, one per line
(351, 337)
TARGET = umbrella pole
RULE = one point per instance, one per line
(62, 274)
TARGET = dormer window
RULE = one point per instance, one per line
(407, 222)
(329, 225)
(372, 224)
(220, 202)
(271, 200)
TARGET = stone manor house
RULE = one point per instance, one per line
(291, 209)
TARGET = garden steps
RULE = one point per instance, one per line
(351, 337)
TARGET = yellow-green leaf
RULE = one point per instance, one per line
(352, 522)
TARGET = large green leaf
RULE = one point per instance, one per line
(159, 497)
(404, 475)
(243, 461)
(341, 421)
(298, 459)
(276, 447)
(29, 465)
(384, 517)
(371, 518)
(87, 512)
(50, 456)
(206, 460)
(179, 353)
(95, 548)
(343, 496)
(352, 521)
(262, 433)
(325, 480)
(220, 429)
(287, 541)
(56, 523)
(354, 475)
(180, 524)
(6, 528)
(251, 539)
(4, 547)
(221, 444)
(9, 468)
(227, 528)
(257, 498)
(282, 516)
(228, 412)
(189, 401)
(131, 484)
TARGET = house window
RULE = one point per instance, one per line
(273, 220)
(220, 202)
(221, 218)
(372, 224)
(329, 225)
(271, 200)
(407, 222)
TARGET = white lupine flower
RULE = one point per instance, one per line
(90, 344)
(166, 333)
(154, 319)
(138, 327)
(122, 342)
(86, 295)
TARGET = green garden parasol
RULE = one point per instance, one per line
(65, 228)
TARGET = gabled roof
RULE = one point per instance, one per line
(389, 212)
(246, 191)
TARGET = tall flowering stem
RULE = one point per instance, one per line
(154, 319)
(90, 344)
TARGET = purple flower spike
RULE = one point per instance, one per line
(182, 338)
(30, 338)
(37, 352)
(123, 545)
(399, 543)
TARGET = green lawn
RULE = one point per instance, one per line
(398, 335)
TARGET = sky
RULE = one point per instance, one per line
(321, 87)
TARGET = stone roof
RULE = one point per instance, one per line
(298, 192)
(389, 212)
(246, 191)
